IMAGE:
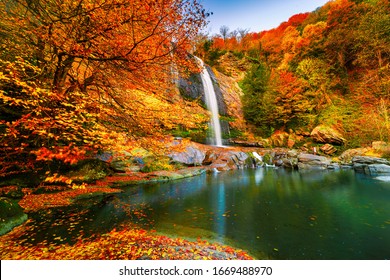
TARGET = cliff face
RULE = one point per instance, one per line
(193, 88)
(227, 91)
(232, 93)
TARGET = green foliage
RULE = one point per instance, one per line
(88, 171)
(196, 135)
(213, 55)
(233, 133)
(238, 55)
(157, 164)
(258, 105)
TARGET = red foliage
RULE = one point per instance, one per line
(34, 202)
(126, 244)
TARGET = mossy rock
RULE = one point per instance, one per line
(11, 215)
(268, 158)
(89, 171)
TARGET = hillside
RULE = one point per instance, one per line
(329, 67)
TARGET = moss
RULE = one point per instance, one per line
(11, 215)
(267, 158)
(89, 171)
(157, 164)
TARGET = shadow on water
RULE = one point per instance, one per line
(276, 214)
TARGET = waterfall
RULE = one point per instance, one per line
(211, 103)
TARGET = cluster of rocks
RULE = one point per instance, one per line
(222, 159)
(371, 165)
(215, 158)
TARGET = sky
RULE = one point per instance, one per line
(254, 15)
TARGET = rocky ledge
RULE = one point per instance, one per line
(229, 158)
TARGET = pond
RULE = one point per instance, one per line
(275, 214)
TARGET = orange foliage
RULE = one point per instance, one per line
(35, 202)
(125, 244)
(82, 76)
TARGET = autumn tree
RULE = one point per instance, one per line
(136, 37)
(76, 74)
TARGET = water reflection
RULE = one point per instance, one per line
(274, 213)
(219, 199)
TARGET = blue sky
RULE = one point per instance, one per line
(255, 15)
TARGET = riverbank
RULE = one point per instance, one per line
(124, 244)
(129, 243)
(140, 244)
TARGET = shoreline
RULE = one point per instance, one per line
(362, 160)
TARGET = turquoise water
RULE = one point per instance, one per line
(274, 214)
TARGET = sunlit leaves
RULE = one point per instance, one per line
(81, 77)
(127, 244)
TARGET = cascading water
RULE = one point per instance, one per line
(211, 103)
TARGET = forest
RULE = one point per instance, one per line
(330, 66)
(84, 83)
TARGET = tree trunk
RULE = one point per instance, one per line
(62, 69)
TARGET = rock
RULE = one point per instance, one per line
(312, 162)
(11, 215)
(303, 133)
(291, 163)
(369, 160)
(379, 169)
(347, 156)
(325, 134)
(243, 143)
(193, 88)
(210, 157)
(229, 160)
(292, 153)
(191, 156)
(122, 162)
(370, 165)
(328, 149)
(334, 166)
(89, 170)
(361, 168)
(232, 93)
(279, 157)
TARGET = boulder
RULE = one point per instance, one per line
(312, 162)
(371, 165)
(369, 160)
(375, 169)
(229, 160)
(348, 155)
(290, 163)
(334, 166)
(325, 134)
(328, 149)
(191, 156)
